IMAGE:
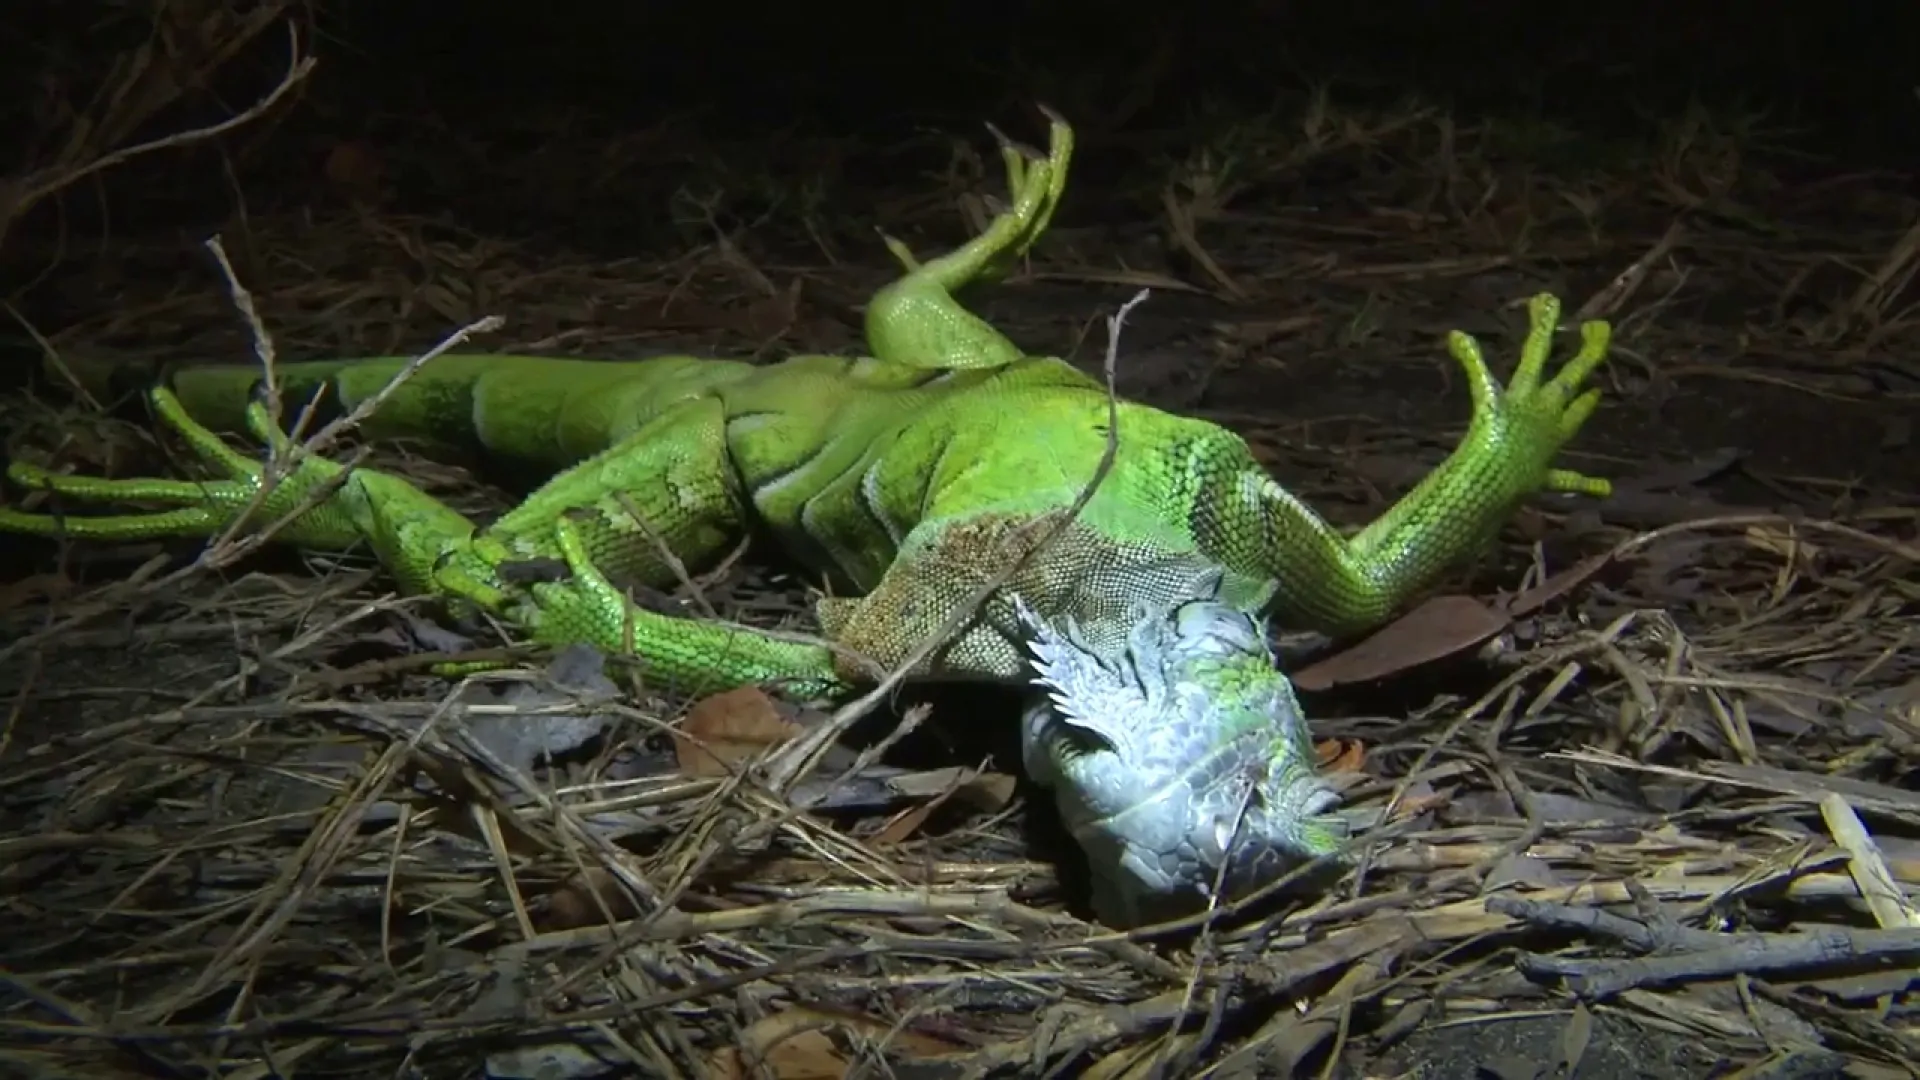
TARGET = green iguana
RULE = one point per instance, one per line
(1175, 748)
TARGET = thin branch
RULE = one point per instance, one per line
(298, 69)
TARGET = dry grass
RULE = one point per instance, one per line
(1672, 784)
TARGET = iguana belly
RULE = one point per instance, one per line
(842, 460)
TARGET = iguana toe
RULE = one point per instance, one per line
(1518, 429)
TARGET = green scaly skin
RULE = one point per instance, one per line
(905, 479)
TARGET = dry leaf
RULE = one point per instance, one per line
(804, 1055)
(1441, 627)
(728, 730)
(588, 898)
(1341, 755)
(356, 170)
(983, 791)
(1575, 1040)
(795, 1045)
(910, 821)
(29, 589)
(772, 317)
(1531, 600)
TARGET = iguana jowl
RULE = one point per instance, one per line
(906, 479)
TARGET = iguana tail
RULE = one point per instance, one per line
(546, 412)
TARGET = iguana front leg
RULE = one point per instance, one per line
(1342, 585)
(915, 320)
(544, 567)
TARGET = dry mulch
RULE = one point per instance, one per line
(1653, 780)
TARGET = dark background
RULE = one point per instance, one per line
(583, 133)
(874, 68)
(424, 77)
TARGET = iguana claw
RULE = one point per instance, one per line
(914, 321)
(199, 508)
(1528, 422)
(1035, 183)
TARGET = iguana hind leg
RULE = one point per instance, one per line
(585, 523)
(916, 321)
(336, 509)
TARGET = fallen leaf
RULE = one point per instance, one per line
(1417, 802)
(1341, 755)
(1683, 474)
(527, 739)
(29, 589)
(730, 729)
(355, 169)
(588, 898)
(794, 1045)
(1575, 1040)
(1531, 600)
(986, 792)
(1441, 627)
(772, 317)
(803, 1055)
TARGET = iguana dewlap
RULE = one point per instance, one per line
(905, 479)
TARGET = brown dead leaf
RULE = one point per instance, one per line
(1531, 600)
(1413, 803)
(1341, 755)
(906, 823)
(1531, 524)
(1443, 626)
(588, 898)
(728, 730)
(795, 1045)
(984, 791)
(988, 792)
(29, 589)
(773, 316)
(804, 1055)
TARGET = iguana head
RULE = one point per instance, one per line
(1180, 761)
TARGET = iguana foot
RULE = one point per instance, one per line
(584, 605)
(915, 320)
(433, 550)
(1518, 430)
(1036, 182)
(316, 503)
(1342, 585)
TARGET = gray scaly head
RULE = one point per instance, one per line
(1178, 762)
